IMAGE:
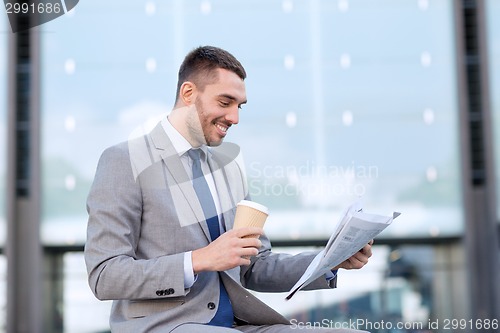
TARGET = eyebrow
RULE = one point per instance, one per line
(232, 98)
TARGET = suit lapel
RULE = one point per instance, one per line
(182, 190)
(247, 307)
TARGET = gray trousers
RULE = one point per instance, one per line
(198, 328)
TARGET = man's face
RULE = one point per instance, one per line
(218, 106)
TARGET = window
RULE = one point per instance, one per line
(345, 98)
(352, 111)
(354, 108)
(98, 84)
(107, 68)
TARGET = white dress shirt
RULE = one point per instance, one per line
(181, 146)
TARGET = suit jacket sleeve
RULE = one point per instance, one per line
(278, 272)
(115, 208)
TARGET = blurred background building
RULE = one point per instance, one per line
(397, 101)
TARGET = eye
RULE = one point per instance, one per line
(224, 104)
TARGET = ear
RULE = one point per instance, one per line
(188, 93)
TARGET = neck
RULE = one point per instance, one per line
(185, 120)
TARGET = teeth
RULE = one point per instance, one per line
(222, 128)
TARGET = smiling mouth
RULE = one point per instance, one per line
(222, 128)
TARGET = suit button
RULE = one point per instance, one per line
(170, 291)
(211, 305)
(159, 293)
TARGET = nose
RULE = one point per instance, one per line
(233, 116)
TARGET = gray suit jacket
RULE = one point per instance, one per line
(144, 215)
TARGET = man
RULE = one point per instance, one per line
(160, 241)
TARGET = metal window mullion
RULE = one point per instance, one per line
(478, 179)
(23, 248)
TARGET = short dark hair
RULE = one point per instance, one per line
(199, 66)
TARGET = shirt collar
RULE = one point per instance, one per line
(181, 145)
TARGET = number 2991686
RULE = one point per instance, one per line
(33, 8)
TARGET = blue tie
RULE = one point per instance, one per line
(224, 315)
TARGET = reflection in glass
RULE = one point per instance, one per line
(346, 98)
(354, 115)
(372, 94)
(94, 94)
(396, 287)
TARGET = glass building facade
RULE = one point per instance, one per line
(346, 99)
(353, 112)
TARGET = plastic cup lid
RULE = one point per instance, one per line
(254, 205)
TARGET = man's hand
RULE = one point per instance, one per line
(359, 259)
(229, 250)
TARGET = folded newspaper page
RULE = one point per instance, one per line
(354, 230)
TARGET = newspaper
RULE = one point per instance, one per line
(354, 230)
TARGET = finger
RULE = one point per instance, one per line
(350, 263)
(367, 250)
(357, 263)
(245, 261)
(356, 258)
(360, 257)
(248, 252)
(250, 242)
(242, 232)
(371, 242)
